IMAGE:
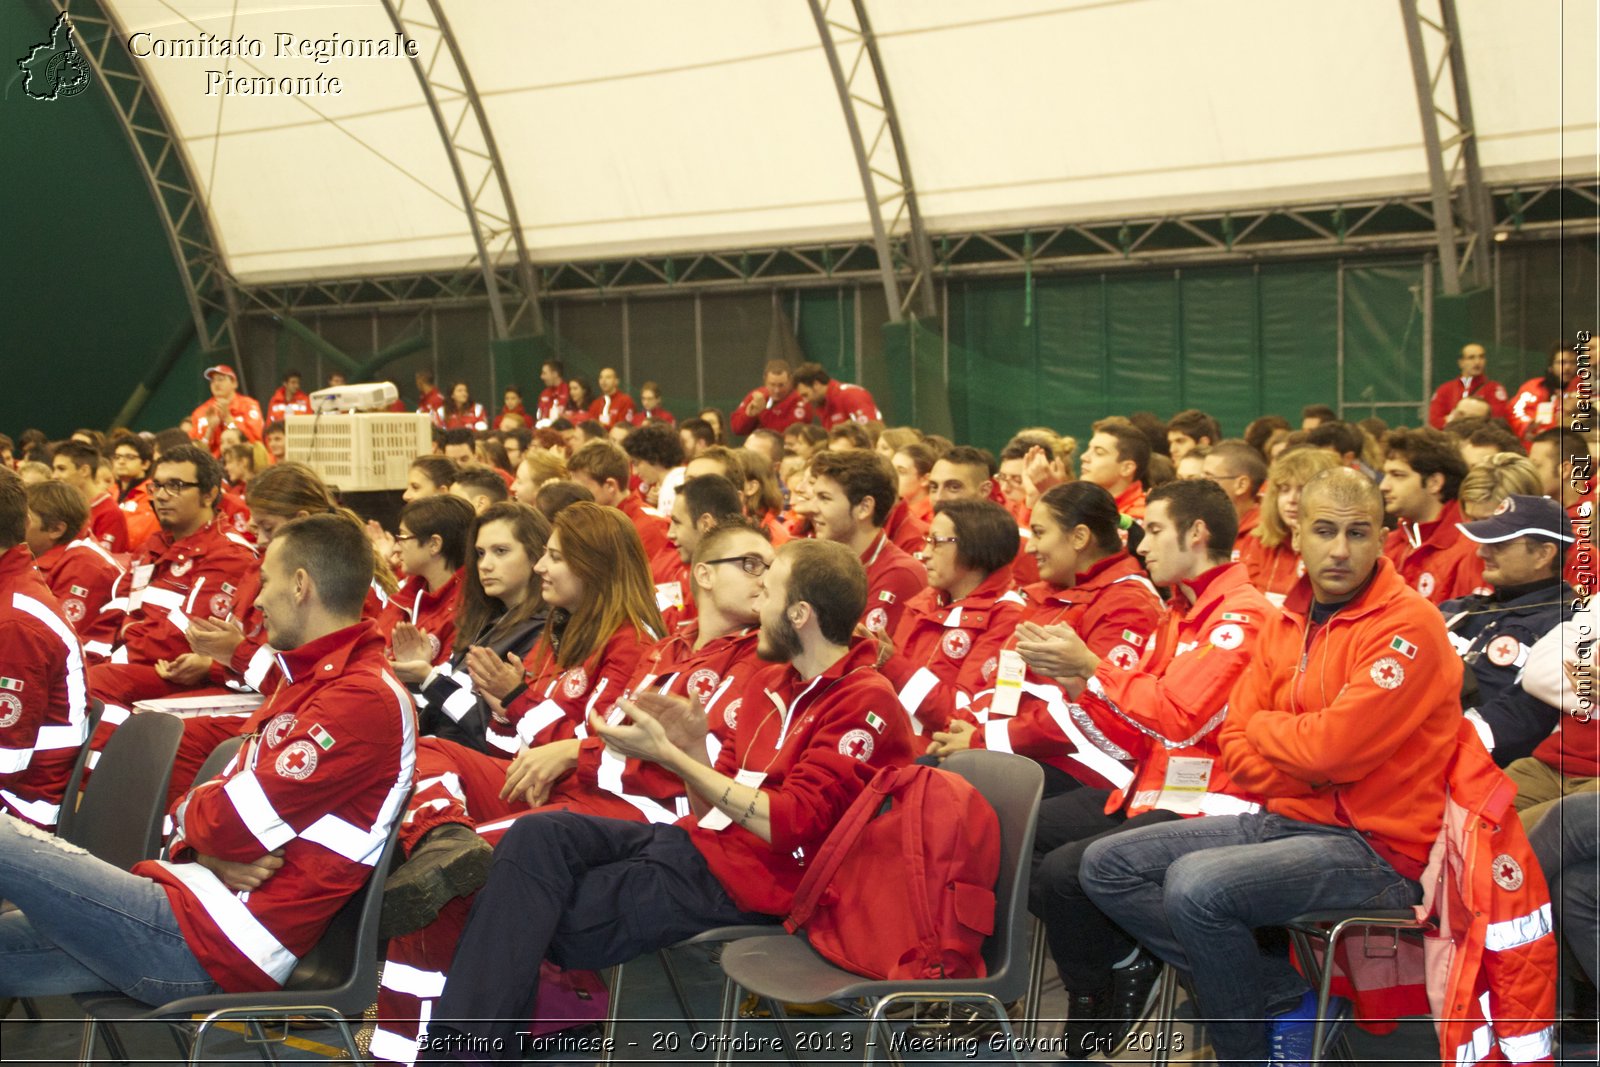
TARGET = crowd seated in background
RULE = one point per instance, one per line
(1285, 642)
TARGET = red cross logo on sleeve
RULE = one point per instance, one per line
(295, 761)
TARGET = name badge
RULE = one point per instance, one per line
(1185, 787)
(1008, 683)
(716, 818)
(669, 595)
(141, 580)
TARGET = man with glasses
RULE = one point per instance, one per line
(700, 505)
(228, 409)
(1240, 470)
(130, 464)
(809, 733)
(193, 567)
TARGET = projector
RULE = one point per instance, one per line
(364, 396)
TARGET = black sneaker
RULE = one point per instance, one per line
(1088, 1024)
(451, 861)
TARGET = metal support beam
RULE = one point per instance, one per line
(1524, 210)
(168, 172)
(874, 127)
(1463, 219)
(508, 277)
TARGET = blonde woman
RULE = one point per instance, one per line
(1493, 479)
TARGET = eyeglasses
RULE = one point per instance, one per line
(754, 566)
(934, 542)
(126, 455)
(405, 537)
(1009, 479)
(171, 487)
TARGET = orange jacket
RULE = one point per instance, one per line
(1172, 703)
(944, 652)
(1349, 723)
(1437, 559)
(1275, 571)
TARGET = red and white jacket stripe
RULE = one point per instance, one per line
(199, 575)
(557, 702)
(82, 575)
(323, 781)
(44, 696)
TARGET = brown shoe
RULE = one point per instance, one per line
(450, 861)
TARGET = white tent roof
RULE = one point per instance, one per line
(629, 126)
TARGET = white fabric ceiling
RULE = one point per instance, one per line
(636, 126)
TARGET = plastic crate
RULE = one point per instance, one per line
(361, 452)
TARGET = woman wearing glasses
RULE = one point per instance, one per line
(592, 577)
(948, 642)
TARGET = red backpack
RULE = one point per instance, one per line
(903, 887)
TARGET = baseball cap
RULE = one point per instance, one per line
(220, 368)
(1521, 516)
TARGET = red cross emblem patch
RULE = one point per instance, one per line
(1388, 673)
(1507, 872)
(297, 761)
(857, 744)
(1123, 657)
(702, 684)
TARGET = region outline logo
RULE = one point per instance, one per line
(55, 69)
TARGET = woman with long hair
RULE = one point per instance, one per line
(1088, 581)
(594, 580)
(461, 412)
(763, 496)
(581, 393)
(1268, 552)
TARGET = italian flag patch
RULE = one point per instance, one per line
(875, 722)
(1404, 647)
(13, 684)
(1234, 616)
(322, 737)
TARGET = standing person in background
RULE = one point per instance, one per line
(650, 406)
(1471, 383)
(430, 401)
(77, 465)
(1537, 405)
(612, 407)
(1269, 552)
(289, 399)
(774, 405)
(228, 409)
(461, 412)
(834, 402)
(554, 400)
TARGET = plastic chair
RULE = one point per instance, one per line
(69, 798)
(786, 970)
(119, 814)
(1329, 927)
(218, 760)
(337, 978)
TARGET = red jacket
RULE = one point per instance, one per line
(817, 744)
(945, 653)
(1130, 502)
(471, 417)
(1436, 559)
(652, 527)
(1275, 571)
(1448, 395)
(553, 403)
(43, 694)
(244, 413)
(847, 403)
(1115, 609)
(893, 578)
(905, 529)
(1492, 963)
(608, 411)
(714, 675)
(171, 580)
(142, 522)
(434, 613)
(776, 415)
(1351, 724)
(323, 781)
(108, 525)
(640, 416)
(557, 702)
(1170, 706)
(520, 412)
(281, 407)
(82, 575)
(431, 404)
(1537, 405)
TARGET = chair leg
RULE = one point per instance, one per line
(1037, 956)
(86, 1041)
(614, 989)
(730, 1019)
(263, 1043)
(1166, 1006)
(671, 969)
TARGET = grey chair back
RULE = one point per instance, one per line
(119, 815)
(69, 799)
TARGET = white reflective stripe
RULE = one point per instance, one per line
(433, 805)
(485, 828)
(120, 655)
(115, 714)
(594, 696)
(77, 681)
(1485, 731)
(250, 803)
(716, 695)
(1526, 1048)
(451, 782)
(1011, 596)
(234, 920)
(97, 648)
(13, 760)
(392, 1047)
(117, 603)
(504, 742)
(997, 735)
(1209, 803)
(537, 718)
(1141, 580)
(193, 594)
(260, 665)
(459, 703)
(652, 811)
(609, 774)
(98, 549)
(916, 690)
(1084, 750)
(56, 737)
(93, 761)
(1523, 930)
(1476, 1047)
(348, 840)
(170, 599)
(179, 621)
(40, 811)
(953, 619)
(713, 747)
(1210, 724)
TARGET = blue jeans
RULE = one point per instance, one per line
(1567, 841)
(84, 926)
(1194, 891)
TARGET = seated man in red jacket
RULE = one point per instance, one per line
(1344, 723)
(589, 892)
(263, 855)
